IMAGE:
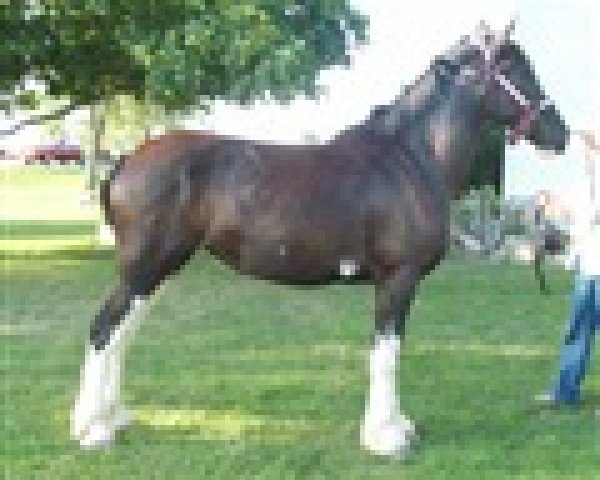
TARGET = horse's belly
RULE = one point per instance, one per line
(283, 244)
(284, 261)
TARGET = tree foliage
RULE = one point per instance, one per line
(174, 53)
(488, 166)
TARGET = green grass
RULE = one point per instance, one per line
(33, 229)
(235, 378)
(44, 194)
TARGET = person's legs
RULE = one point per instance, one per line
(575, 351)
(596, 311)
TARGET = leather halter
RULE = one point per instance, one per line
(527, 112)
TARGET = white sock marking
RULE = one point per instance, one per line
(97, 412)
(382, 365)
(385, 430)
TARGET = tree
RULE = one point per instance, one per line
(486, 177)
(179, 54)
(488, 165)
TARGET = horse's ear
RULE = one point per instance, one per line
(486, 35)
(484, 29)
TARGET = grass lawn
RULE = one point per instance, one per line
(37, 193)
(235, 378)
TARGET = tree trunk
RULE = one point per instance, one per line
(94, 151)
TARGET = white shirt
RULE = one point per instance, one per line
(583, 204)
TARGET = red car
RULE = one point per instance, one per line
(61, 154)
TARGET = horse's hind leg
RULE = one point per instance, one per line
(98, 414)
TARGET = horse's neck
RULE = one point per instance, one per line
(453, 135)
(445, 131)
(440, 122)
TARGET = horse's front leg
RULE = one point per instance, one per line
(385, 430)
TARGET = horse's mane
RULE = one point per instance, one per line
(383, 119)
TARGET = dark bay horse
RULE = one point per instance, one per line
(372, 203)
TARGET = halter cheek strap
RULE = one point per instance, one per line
(527, 113)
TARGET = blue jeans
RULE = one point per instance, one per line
(575, 351)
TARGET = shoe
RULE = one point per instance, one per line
(550, 400)
(546, 399)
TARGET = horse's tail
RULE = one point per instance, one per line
(105, 192)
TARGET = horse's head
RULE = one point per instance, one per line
(510, 89)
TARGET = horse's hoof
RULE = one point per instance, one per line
(396, 439)
(81, 420)
(100, 431)
(97, 436)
